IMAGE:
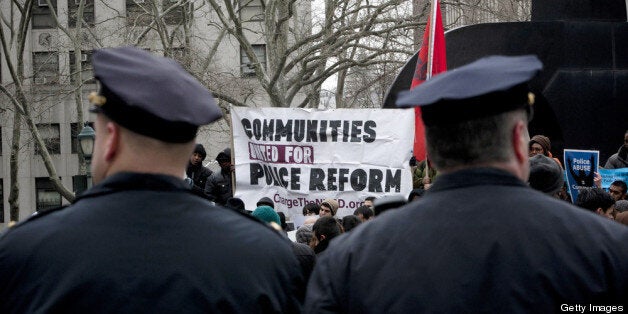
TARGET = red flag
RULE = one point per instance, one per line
(434, 59)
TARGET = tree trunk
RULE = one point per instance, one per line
(14, 194)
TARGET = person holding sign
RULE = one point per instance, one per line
(480, 240)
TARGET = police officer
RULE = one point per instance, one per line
(480, 240)
(140, 241)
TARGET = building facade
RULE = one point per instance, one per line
(186, 30)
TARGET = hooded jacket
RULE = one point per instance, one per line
(618, 160)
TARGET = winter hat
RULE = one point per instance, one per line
(545, 174)
(235, 204)
(542, 140)
(267, 214)
(265, 201)
(332, 204)
(225, 155)
(199, 149)
(304, 234)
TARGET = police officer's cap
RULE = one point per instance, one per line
(151, 95)
(485, 87)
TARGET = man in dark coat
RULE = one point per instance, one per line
(620, 158)
(219, 184)
(480, 240)
(140, 241)
(195, 170)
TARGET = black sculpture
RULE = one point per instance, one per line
(582, 94)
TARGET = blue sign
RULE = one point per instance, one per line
(611, 175)
(580, 169)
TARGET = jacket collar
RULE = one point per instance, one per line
(126, 181)
(474, 177)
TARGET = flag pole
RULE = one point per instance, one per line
(430, 59)
(430, 47)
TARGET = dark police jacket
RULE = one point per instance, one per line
(479, 241)
(140, 243)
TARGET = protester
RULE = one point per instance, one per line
(481, 240)
(618, 190)
(423, 175)
(266, 201)
(620, 158)
(139, 241)
(304, 234)
(622, 218)
(329, 207)
(368, 201)
(546, 175)
(324, 230)
(219, 183)
(349, 222)
(266, 214)
(621, 206)
(596, 200)
(541, 145)
(236, 204)
(195, 170)
(364, 213)
(311, 209)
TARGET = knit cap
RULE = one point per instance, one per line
(265, 201)
(332, 204)
(545, 174)
(304, 234)
(542, 140)
(267, 214)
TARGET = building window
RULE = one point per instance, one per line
(1, 200)
(46, 67)
(79, 183)
(86, 65)
(51, 135)
(88, 12)
(75, 129)
(137, 13)
(251, 10)
(246, 65)
(46, 195)
(176, 16)
(42, 16)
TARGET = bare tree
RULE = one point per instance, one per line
(14, 30)
(299, 56)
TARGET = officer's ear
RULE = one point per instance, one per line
(113, 140)
(520, 139)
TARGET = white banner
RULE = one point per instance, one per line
(296, 156)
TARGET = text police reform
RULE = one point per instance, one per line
(296, 156)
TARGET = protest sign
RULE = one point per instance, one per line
(580, 169)
(611, 175)
(296, 156)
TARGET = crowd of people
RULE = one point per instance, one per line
(485, 229)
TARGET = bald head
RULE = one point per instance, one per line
(117, 149)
